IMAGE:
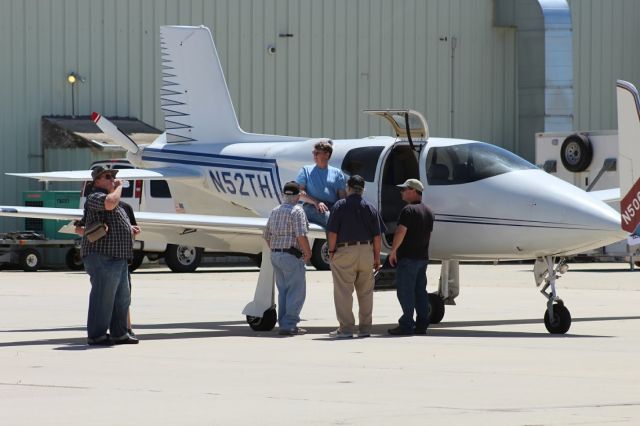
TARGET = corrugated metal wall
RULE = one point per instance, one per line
(605, 49)
(343, 57)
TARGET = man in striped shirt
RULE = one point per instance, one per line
(286, 234)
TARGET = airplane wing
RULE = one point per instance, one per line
(178, 222)
(164, 173)
(606, 195)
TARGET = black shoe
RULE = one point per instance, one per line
(129, 340)
(103, 341)
(131, 333)
(420, 330)
(399, 331)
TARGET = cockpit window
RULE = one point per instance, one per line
(456, 164)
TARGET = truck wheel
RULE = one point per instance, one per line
(73, 259)
(576, 152)
(29, 260)
(138, 257)
(320, 255)
(183, 258)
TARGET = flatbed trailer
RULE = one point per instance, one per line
(25, 249)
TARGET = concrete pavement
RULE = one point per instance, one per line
(491, 360)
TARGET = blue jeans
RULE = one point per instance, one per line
(314, 216)
(411, 283)
(109, 298)
(292, 288)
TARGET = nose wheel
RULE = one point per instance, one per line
(557, 318)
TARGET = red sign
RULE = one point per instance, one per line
(630, 208)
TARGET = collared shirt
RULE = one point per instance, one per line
(118, 242)
(354, 219)
(286, 223)
(322, 184)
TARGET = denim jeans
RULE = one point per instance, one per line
(292, 288)
(314, 216)
(109, 298)
(411, 283)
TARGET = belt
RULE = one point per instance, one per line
(354, 243)
(281, 250)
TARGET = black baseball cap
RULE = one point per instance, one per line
(98, 171)
(356, 182)
(291, 188)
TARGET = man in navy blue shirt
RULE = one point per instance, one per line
(354, 248)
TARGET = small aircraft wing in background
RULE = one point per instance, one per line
(163, 173)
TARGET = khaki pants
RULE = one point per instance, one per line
(352, 267)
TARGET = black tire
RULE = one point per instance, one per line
(30, 260)
(138, 258)
(183, 258)
(576, 152)
(436, 308)
(266, 323)
(320, 255)
(561, 322)
(73, 259)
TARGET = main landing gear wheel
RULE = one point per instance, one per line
(266, 323)
(320, 255)
(436, 308)
(561, 321)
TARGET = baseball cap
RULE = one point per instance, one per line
(413, 184)
(356, 182)
(291, 188)
(98, 171)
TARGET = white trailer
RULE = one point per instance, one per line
(588, 160)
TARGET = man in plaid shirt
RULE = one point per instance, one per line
(286, 234)
(106, 261)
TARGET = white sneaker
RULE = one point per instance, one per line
(337, 334)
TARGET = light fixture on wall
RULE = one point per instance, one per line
(73, 78)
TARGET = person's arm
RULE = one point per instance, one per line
(398, 238)
(333, 238)
(306, 248)
(113, 199)
(377, 244)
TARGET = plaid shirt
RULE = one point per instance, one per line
(118, 242)
(286, 223)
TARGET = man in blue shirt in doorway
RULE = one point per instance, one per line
(321, 185)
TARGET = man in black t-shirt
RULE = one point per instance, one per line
(410, 252)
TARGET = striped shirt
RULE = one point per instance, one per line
(118, 242)
(286, 223)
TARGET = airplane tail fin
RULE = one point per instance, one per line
(628, 135)
(194, 94)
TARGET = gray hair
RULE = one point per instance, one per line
(291, 199)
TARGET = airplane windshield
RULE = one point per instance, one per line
(457, 164)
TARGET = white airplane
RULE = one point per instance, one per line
(489, 204)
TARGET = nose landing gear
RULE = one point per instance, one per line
(557, 318)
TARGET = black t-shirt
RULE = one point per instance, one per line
(418, 219)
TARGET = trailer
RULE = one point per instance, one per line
(27, 249)
(587, 160)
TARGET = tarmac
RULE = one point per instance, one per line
(490, 361)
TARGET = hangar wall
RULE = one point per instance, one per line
(342, 57)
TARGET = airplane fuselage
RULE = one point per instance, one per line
(516, 212)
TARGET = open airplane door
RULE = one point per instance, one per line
(414, 128)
